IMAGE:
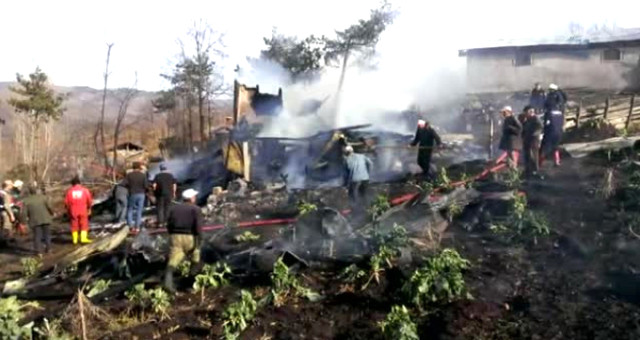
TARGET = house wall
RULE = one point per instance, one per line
(494, 71)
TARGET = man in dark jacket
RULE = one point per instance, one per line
(184, 225)
(38, 213)
(531, 131)
(137, 183)
(427, 140)
(553, 124)
(537, 99)
(510, 142)
(164, 189)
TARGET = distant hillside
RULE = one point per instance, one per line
(83, 103)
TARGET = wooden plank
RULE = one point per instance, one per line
(246, 161)
(633, 99)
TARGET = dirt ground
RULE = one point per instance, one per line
(580, 282)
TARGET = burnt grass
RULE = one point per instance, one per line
(580, 282)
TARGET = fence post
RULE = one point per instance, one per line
(633, 100)
(606, 109)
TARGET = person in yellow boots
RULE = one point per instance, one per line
(78, 202)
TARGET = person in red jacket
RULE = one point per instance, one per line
(78, 202)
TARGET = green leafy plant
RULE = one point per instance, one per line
(439, 281)
(523, 221)
(11, 312)
(286, 285)
(513, 178)
(157, 300)
(442, 180)
(454, 210)
(238, 315)
(305, 208)
(351, 276)
(184, 268)
(247, 236)
(98, 286)
(379, 262)
(426, 187)
(52, 331)
(398, 325)
(30, 266)
(211, 276)
(379, 206)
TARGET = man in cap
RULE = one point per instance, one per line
(510, 142)
(164, 189)
(427, 140)
(531, 131)
(78, 202)
(356, 175)
(553, 124)
(184, 224)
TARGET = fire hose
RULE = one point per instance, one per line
(395, 201)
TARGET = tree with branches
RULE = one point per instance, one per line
(360, 38)
(99, 133)
(301, 58)
(38, 104)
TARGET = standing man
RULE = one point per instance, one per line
(6, 203)
(121, 196)
(531, 131)
(137, 183)
(164, 189)
(537, 99)
(184, 225)
(38, 213)
(427, 140)
(356, 175)
(78, 202)
(553, 124)
(510, 142)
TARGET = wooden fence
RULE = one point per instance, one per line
(620, 111)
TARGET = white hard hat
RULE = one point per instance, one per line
(507, 108)
(189, 194)
(553, 87)
(18, 184)
(348, 149)
(421, 123)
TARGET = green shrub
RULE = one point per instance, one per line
(211, 276)
(379, 206)
(305, 208)
(398, 325)
(439, 281)
(247, 236)
(156, 300)
(238, 315)
(11, 312)
(30, 266)
(97, 287)
(286, 285)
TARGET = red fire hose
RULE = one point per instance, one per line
(395, 201)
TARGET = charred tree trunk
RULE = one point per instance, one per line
(100, 146)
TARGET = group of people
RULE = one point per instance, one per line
(538, 139)
(131, 195)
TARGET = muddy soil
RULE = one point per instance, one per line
(580, 282)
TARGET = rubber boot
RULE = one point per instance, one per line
(74, 237)
(557, 157)
(84, 237)
(168, 281)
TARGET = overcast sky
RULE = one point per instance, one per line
(67, 39)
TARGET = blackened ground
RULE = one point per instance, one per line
(580, 282)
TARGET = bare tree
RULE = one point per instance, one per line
(100, 147)
(126, 98)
